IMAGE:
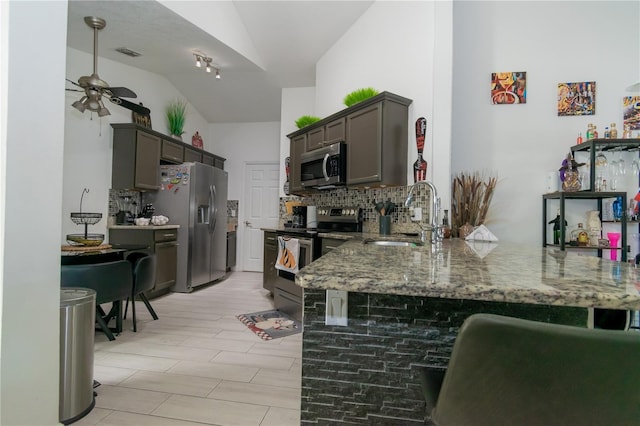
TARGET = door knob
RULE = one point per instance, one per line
(247, 223)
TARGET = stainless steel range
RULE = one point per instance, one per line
(287, 295)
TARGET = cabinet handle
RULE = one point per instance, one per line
(169, 244)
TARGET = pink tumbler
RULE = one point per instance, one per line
(613, 237)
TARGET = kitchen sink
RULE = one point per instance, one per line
(394, 243)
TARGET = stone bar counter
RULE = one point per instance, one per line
(405, 305)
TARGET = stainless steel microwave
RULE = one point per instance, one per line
(325, 167)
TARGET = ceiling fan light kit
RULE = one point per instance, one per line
(200, 58)
(95, 89)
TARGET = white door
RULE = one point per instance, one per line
(262, 196)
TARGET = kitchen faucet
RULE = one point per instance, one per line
(433, 215)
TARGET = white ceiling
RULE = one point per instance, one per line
(288, 36)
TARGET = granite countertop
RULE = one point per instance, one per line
(504, 272)
(152, 227)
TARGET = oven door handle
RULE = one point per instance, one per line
(324, 167)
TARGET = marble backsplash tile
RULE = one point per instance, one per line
(365, 199)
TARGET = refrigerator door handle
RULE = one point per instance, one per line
(213, 208)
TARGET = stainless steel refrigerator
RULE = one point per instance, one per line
(194, 196)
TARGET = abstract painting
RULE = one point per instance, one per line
(631, 112)
(508, 88)
(577, 98)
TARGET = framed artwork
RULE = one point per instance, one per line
(577, 98)
(143, 120)
(631, 112)
(509, 87)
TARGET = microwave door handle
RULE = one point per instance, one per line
(324, 167)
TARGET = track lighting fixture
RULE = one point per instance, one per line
(200, 58)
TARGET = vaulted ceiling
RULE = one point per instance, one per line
(283, 42)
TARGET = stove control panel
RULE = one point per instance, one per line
(339, 214)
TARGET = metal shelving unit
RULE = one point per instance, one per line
(583, 195)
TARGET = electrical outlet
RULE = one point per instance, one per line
(416, 213)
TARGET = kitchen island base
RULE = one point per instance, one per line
(369, 371)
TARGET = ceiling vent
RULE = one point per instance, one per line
(128, 52)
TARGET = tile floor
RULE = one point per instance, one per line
(198, 364)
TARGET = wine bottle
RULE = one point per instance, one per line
(420, 166)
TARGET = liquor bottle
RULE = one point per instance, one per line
(579, 237)
(579, 139)
(626, 132)
(607, 133)
(589, 133)
(446, 229)
(420, 166)
(556, 228)
(595, 132)
(613, 132)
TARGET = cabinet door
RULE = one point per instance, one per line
(208, 159)
(315, 138)
(218, 162)
(335, 131)
(191, 155)
(166, 264)
(364, 146)
(147, 174)
(171, 152)
(297, 148)
(270, 255)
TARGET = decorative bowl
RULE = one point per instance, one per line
(85, 240)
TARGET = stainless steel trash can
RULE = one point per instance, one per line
(77, 332)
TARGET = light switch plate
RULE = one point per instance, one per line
(336, 308)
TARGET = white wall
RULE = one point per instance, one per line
(33, 137)
(241, 143)
(553, 42)
(296, 102)
(88, 138)
(392, 48)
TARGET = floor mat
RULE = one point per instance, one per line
(269, 325)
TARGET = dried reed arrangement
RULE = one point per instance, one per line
(471, 195)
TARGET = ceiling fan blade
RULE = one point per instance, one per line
(130, 105)
(122, 92)
(73, 82)
(74, 90)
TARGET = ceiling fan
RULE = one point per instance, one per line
(95, 89)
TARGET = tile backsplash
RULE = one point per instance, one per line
(365, 199)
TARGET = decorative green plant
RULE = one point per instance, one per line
(359, 96)
(305, 120)
(176, 116)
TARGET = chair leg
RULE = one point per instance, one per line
(126, 307)
(133, 310)
(103, 325)
(148, 305)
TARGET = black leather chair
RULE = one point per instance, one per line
(509, 371)
(112, 282)
(144, 278)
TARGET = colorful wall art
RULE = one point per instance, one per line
(631, 112)
(577, 98)
(508, 88)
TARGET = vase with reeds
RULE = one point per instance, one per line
(471, 194)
